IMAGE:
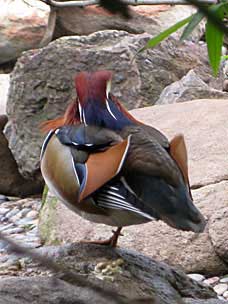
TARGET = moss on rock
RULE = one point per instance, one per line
(47, 219)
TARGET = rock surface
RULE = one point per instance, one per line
(22, 27)
(149, 19)
(204, 253)
(4, 87)
(11, 181)
(190, 87)
(129, 275)
(42, 82)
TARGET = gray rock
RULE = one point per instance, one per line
(224, 279)
(13, 230)
(220, 288)
(11, 213)
(25, 221)
(152, 20)
(39, 91)
(190, 87)
(20, 214)
(3, 211)
(196, 276)
(3, 246)
(3, 198)
(4, 87)
(11, 181)
(210, 301)
(5, 227)
(22, 27)
(217, 228)
(137, 277)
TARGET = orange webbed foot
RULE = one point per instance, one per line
(111, 242)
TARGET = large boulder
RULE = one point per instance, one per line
(204, 124)
(190, 87)
(42, 82)
(150, 19)
(11, 181)
(103, 275)
(4, 87)
(22, 27)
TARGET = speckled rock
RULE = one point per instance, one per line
(147, 18)
(23, 24)
(11, 181)
(190, 87)
(136, 277)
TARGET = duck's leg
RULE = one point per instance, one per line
(112, 242)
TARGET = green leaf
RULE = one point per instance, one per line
(224, 57)
(163, 35)
(214, 39)
(196, 19)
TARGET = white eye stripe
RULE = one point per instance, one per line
(84, 119)
(109, 110)
(80, 111)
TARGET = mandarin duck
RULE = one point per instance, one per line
(110, 168)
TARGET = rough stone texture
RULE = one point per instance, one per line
(22, 27)
(195, 253)
(4, 87)
(11, 181)
(210, 301)
(219, 224)
(137, 277)
(150, 19)
(42, 82)
(190, 87)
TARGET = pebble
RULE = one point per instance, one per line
(20, 214)
(14, 230)
(197, 277)
(11, 213)
(5, 227)
(225, 295)
(32, 214)
(3, 198)
(211, 281)
(220, 288)
(25, 221)
(224, 279)
(3, 211)
(19, 220)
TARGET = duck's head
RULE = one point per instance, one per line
(94, 105)
(97, 106)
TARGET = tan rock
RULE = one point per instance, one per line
(205, 125)
(22, 27)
